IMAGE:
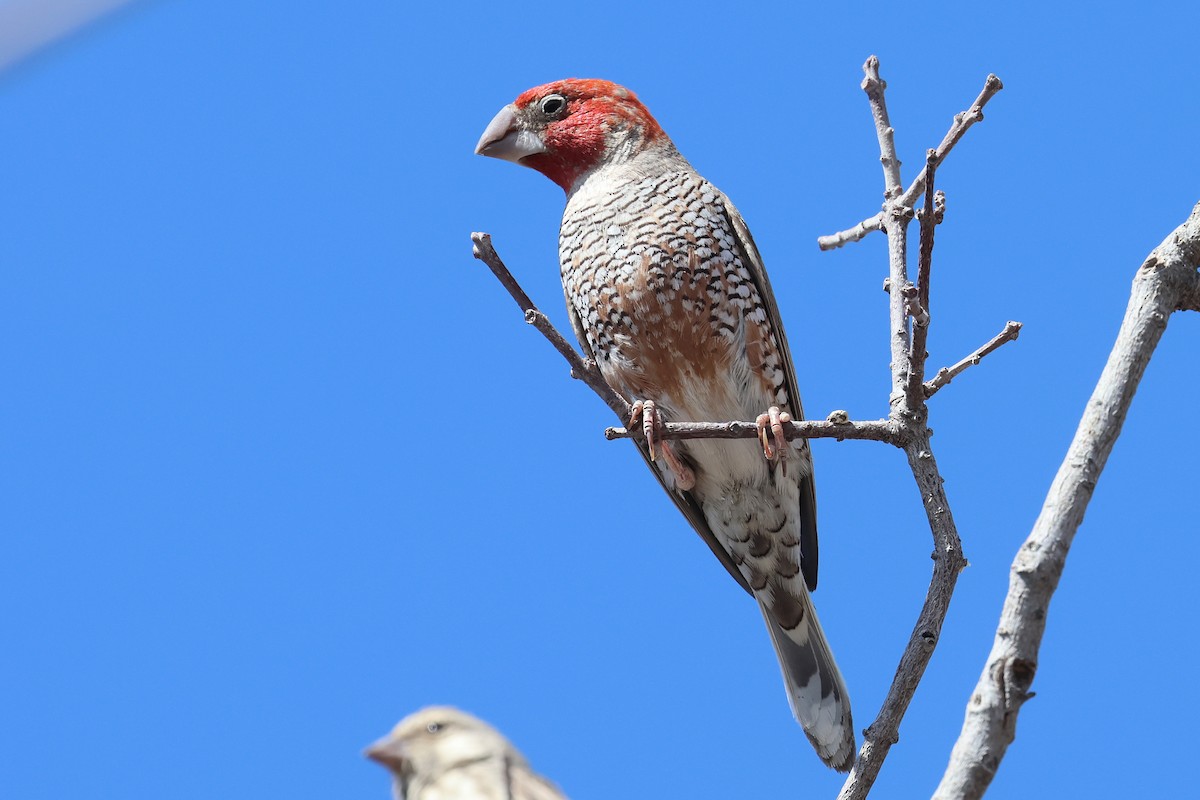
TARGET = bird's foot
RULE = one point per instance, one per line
(770, 427)
(652, 425)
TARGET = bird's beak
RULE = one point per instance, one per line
(389, 752)
(504, 138)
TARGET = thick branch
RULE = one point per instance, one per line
(1162, 282)
(1191, 300)
(947, 374)
(962, 123)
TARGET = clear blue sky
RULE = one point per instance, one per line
(271, 476)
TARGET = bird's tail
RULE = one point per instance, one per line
(816, 691)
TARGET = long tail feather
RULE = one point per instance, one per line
(815, 689)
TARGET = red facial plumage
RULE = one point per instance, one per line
(578, 141)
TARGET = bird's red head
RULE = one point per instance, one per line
(567, 128)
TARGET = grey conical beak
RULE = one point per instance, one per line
(389, 752)
(504, 138)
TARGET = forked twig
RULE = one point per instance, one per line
(962, 123)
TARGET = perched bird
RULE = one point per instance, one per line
(667, 292)
(441, 753)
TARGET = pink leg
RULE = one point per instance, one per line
(773, 421)
(652, 423)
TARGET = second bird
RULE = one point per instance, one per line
(668, 294)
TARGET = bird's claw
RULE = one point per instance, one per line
(770, 427)
(652, 424)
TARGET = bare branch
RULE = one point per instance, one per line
(880, 430)
(946, 374)
(948, 562)
(962, 123)
(919, 301)
(908, 413)
(897, 233)
(1191, 300)
(1161, 284)
(586, 371)
(856, 234)
(874, 86)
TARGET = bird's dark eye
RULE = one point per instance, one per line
(433, 727)
(553, 104)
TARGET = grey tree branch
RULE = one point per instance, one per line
(879, 430)
(909, 414)
(962, 123)
(874, 86)
(584, 370)
(1166, 282)
(919, 300)
(947, 374)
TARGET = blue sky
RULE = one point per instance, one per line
(272, 472)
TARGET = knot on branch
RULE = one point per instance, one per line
(881, 734)
(1020, 674)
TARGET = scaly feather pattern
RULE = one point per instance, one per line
(668, 293)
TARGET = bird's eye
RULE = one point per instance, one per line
(433, 727)
(553, 104)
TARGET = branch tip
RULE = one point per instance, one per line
(946, 374)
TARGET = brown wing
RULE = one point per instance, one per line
(808, 498)
(684, 501)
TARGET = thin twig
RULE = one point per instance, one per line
(991, 717)
(915, 395)
(880, 430)
(874, 86)
(962, 123)
(856, 234)
(946, 374)
(896, 217)
(584, 370)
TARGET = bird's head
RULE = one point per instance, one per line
(436, 739)
(568, 128)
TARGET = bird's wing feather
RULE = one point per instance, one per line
(808, 498)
